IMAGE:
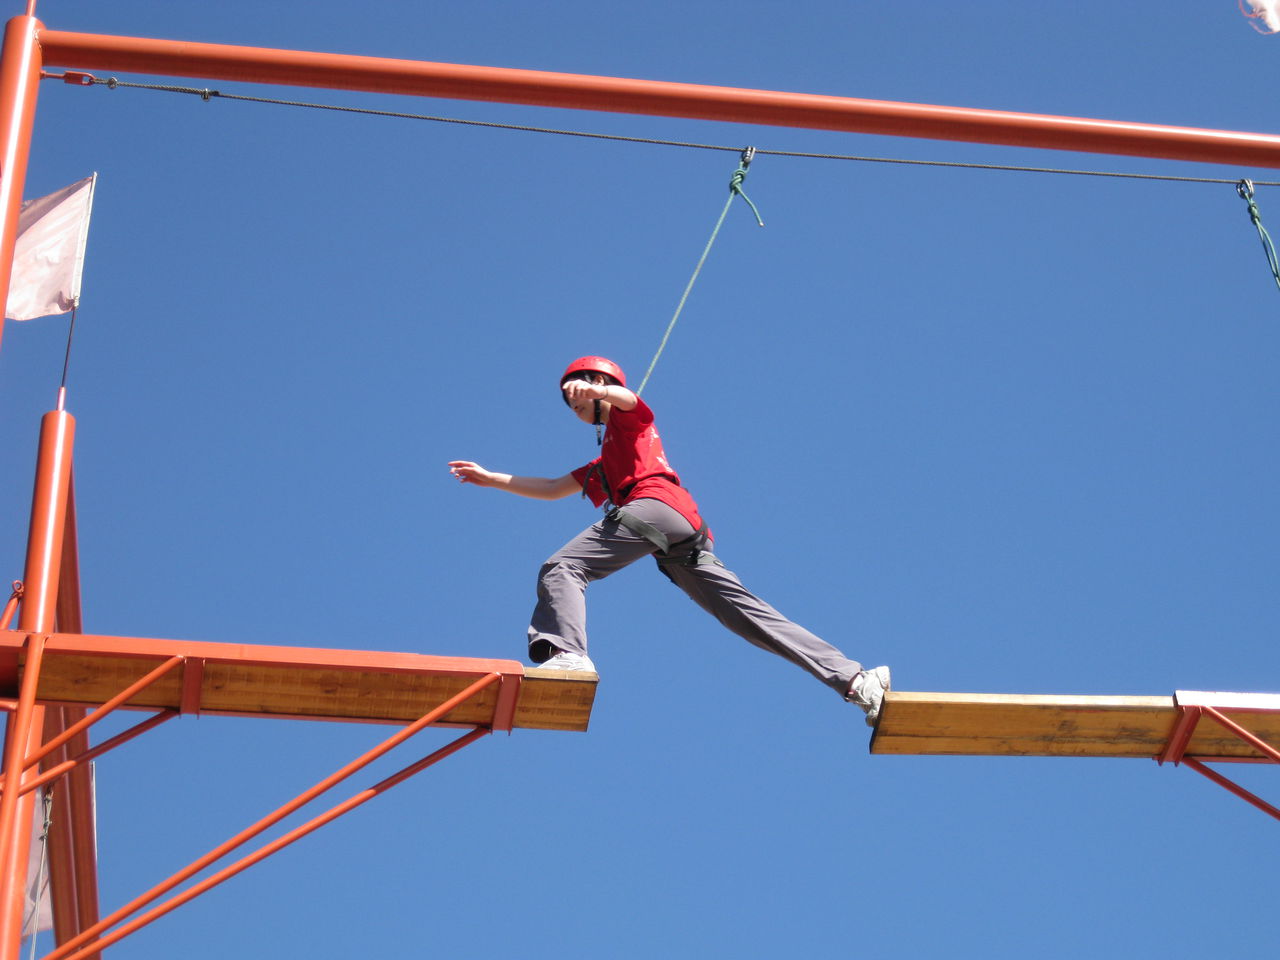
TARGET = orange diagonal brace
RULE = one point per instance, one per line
(11, 605)
(1228, 784)
(76, 728)
(67, 766)
(619, 95)
(65, 950)
(295, 834)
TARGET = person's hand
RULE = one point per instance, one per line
(468, 472)
(578, 390)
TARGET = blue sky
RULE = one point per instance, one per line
(1007, 432)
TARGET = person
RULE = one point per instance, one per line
(648, 512)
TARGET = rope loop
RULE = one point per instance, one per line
(739, 175)
(1245, 189)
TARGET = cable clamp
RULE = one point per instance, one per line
(77, 77)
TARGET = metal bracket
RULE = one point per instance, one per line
(1192, 706)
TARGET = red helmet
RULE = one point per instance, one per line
(594, 365)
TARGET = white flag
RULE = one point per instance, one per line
(1268, 11)
(49, 255)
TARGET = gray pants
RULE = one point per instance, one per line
(560, 618)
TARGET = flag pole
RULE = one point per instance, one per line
(66, 359)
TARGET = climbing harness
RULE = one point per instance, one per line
(689, 552)
(735, 190)
(1245, 189)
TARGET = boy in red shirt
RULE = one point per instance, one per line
(648, 512)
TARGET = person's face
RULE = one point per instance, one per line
(585, 409)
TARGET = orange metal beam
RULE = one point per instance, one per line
(42, 576)
(19, 78)
(73, 844)
(22, 734)
(618, 95)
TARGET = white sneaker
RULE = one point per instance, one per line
(569, 661)
(868, 690)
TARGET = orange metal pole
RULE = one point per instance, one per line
(19, 77)
(274, 846)
(1231, 785)
(16, 809)
(48, 523)
(63, 950)
(38, 617)
(73, 847)
(11, 607)
(618, 95)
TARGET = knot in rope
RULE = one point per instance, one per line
(1245, 189)
(739, 175)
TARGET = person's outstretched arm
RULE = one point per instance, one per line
(620, 397)
(537, 488)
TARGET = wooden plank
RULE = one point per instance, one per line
(985, 724)
(305, 683)
(555, 699)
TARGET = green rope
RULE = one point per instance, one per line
(735, 190)
(1245, 189)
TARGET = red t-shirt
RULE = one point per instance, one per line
(635, 466)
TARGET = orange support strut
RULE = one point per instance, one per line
(41, 580)
(73, 848)
(19, 77)
(70, 948)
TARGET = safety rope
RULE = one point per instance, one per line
(206, 94)
(33, 919)
(735, 190)
(1245, 189)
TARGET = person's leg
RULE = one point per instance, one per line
(718, 591)
(559, 621)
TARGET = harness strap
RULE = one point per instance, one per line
(668, 553)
